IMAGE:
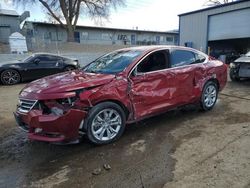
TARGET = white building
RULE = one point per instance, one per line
(40, 32)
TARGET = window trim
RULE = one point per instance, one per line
(181, 50)
(169, 68)
(142, 59)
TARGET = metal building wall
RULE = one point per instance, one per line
(8, 25)
(194, 26)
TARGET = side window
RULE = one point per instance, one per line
(48, 58)
(181, 57)
(155, 61)
(200, 58)
(43, 58)
(55, 58)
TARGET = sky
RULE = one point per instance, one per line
(156, 15)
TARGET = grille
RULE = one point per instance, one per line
(26, 105)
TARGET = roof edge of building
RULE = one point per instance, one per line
(108, 28)
(213, 7)
(8, 12)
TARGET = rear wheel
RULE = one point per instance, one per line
(105, 123)
(10, 77)
(209, 96)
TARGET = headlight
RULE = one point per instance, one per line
(232, 65)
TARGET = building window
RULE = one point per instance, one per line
(47, 35)
(59, 36)
(162, 39)
(53, 36)
(105, 36)
(169, 39)
(85, 35)
(30, 32)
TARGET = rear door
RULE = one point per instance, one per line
(188, 73)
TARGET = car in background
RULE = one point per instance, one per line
(240, 68)
(121, 87)
(34, 67)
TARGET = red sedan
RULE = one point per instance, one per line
(121, 87)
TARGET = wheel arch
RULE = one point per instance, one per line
(123, 107)
(215, 80)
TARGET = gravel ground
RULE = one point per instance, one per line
(182, 148)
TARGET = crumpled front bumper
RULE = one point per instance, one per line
(51, 128)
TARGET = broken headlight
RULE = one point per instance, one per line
(60, 106)
(57, 106)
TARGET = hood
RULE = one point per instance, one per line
(243, 59)
(66, 82)
(9, 63)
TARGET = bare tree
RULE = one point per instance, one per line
(67, 12)
(217, 2)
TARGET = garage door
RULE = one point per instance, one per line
(231, 25)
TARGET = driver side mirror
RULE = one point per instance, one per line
(36, 61)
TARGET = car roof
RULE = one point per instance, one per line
(158, 47)
(44, 53)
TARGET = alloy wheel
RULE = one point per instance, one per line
(10, 77)
(210, 96)
(106, 124)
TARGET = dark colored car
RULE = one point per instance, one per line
(35, 66)
(122, 87)
(240, 68)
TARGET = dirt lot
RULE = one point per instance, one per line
(182, 148)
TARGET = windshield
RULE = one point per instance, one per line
(27, 59)
(114, 62)
(248, 54)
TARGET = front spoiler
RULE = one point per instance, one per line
(51, 128)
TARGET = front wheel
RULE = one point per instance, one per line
(105, 123)
(209, 96)
(10, 77)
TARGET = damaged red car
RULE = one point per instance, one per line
(118, 88)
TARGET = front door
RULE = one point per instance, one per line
(133, 39)
(77, 36)
(150, 85)
(44, 65)
(157, 39)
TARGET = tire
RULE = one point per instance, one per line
(68, 68)
(233, 75)
(209, 96)
(10, 77)
(99, 128)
